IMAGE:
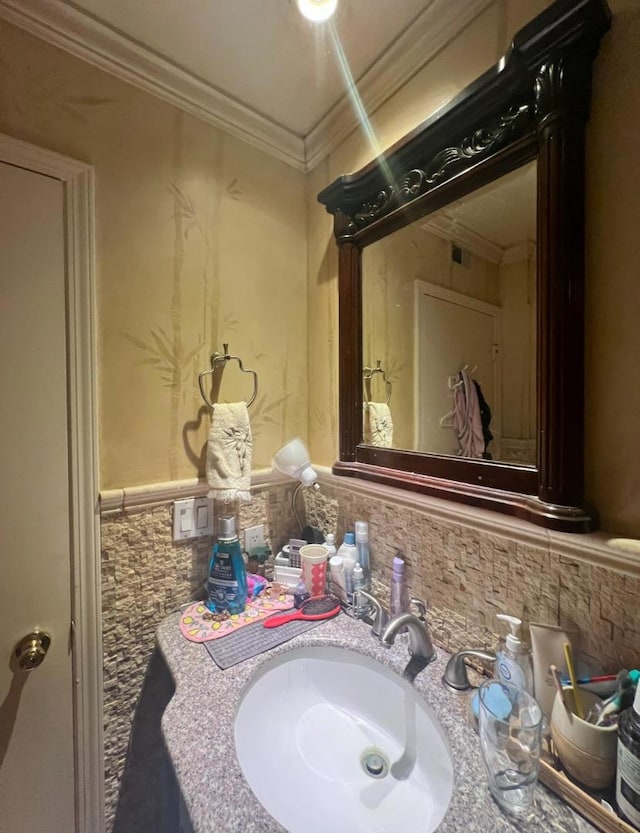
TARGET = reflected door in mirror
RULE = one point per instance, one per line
(452, 290)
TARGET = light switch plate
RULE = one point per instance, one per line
(203, 516)
(192, 518)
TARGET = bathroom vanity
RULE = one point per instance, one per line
(198, 729)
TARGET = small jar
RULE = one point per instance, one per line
(300, 594)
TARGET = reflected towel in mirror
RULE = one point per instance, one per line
(378, 425)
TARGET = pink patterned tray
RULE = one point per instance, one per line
(196, 628)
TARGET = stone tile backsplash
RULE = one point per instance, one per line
(466, 574)
(146, 576)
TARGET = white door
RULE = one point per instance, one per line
(454, 331)
(36, 707)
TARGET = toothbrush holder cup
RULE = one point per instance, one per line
(586, 751)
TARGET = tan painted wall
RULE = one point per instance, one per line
(613, 184)
(175, 199)
(176, 202)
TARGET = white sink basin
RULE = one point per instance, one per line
(331, 740)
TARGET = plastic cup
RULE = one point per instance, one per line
(510, 725)
(313, 558)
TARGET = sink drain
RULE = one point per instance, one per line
(375, 763)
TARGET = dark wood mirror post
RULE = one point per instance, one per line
(533, 104)
(562, 105)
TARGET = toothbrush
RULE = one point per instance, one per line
(611, 706)
(604, 678)
(556, 679)
(574, 683)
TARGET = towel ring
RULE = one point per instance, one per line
(221, 359)
(368, 372)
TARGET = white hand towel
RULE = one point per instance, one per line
(229, 452)
(378, 425)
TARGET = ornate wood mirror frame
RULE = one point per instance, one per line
(533, 104)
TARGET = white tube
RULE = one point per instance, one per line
(336, 572)
(547, 648)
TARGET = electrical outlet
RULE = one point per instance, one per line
(253, 537)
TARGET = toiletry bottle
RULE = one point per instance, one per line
(348, 554)
(399, 589)
(336, 578)
(300, 594)
(330, 544)
(227, 582)
(360, 605)
(362, 545)
(513, 658)
(628, 771)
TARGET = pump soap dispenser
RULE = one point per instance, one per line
(513, 658)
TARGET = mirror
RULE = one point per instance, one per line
(449, 302)
(524, 118)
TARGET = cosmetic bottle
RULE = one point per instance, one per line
(330, 544)
(227, 582)
(513, 658)
(348, 553)
(362, 546)
(336, 578)
(360, 605)
(300, 594)
(399, 589)
(628, 769)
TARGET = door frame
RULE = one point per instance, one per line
(77, 179)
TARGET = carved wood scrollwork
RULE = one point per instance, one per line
(484, 141)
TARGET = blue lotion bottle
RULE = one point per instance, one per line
(227, 582)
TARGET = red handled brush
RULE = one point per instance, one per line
(319, 607)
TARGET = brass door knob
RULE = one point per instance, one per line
(31, 650)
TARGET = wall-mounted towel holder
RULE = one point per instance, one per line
(368, 373)
(218, 363)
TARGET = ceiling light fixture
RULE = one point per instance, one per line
(317, 10)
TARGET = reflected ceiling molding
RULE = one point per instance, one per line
(85, 37)
(448, 229)
(526, 250)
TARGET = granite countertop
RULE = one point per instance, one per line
(198, 730)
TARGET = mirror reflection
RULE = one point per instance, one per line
(449, 328)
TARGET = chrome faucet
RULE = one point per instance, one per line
(420, 646)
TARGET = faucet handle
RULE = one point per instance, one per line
(422, 608)
(381, 616)
(455, 675)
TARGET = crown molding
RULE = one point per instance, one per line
(80, 34)
(525, 250)
(441, 21)
(76, 32)
(448, 229)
